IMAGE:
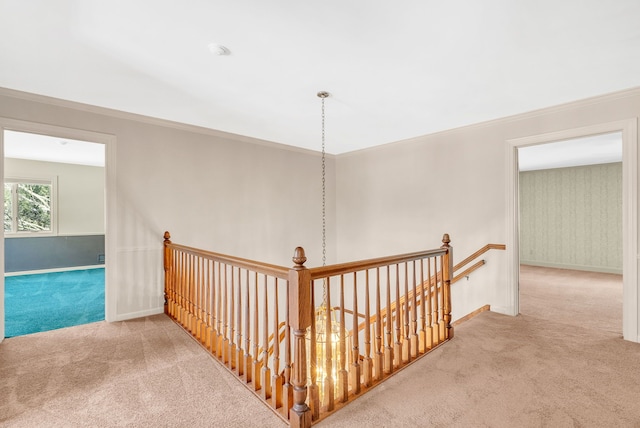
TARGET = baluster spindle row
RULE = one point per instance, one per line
(235, 312)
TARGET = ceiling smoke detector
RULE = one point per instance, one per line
(219, 50)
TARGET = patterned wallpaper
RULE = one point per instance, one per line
(572, 217)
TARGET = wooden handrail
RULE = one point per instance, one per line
(434, 280)
(468, 271)
(478, 253)
(252, 265)
(231, 305)
(344, 268)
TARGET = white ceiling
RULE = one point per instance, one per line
(597, 149)
(22, 145)
(395, 70)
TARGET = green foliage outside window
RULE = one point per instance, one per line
(27, 207)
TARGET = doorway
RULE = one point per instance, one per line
(628, 129)
(107, 145)
(570, 209)
(54, 232)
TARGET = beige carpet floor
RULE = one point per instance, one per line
(544, 368)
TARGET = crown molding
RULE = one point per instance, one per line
(119, 114)
(571, 105)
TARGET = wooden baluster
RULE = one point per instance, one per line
(329, 381)
(436, 303)
(414, 314)
(266, 372)
(239, 355)
(277, 379)
(206, 322)
(429, 331)
(212, 305)
(301, 314)
(248, 361)
(287, 388)
(343, 374)
(225, 315)
(257, 364)
(200, 326)
(397, 351)
(367, 363)
(379, 356)
(232, 319)
(167, 271)
(354, 373)
(447, 273)
(204, 279)
(219, 311)
(215, 299)
(441, 326)
(422, 336)
(388, 352)
(406, 344)
(182, 316)
(193, 319)
(314, 392)
(179, 281)
(195, 310)
(203, 302)
(185, 292)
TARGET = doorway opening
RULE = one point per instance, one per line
(77, 228)
(54, 230)
(628, 130)
(570, 209)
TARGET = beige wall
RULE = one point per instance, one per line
(572, 217)
(218, 191)
(403, 196)
(80, 188)
(233, 195)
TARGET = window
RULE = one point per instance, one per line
(29, 206)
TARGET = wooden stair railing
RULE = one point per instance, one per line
(259, 321)
(434, 281)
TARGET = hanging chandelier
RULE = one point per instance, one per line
(327, 328)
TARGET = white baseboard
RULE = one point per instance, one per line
(601, 269)
(66, 269)
(139, 314)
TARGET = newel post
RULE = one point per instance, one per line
(168, 262)
(447, 276)
(300, 319)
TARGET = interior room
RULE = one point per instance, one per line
(213, 130)
(54, 230)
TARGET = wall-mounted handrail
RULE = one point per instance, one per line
(478, 253)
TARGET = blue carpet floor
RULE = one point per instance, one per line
(48, 301)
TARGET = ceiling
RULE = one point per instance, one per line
(395, 70)
(596, 149)
(22, 145)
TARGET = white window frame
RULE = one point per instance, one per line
(53, 182)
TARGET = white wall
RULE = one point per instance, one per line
(259, 201)
(403, 196)
(80, 193)
(226, 193)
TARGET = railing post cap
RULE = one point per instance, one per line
(299, 257)
(445, 240)
(167, 236)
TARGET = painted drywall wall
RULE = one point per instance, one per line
(572, 217)
(403, 196)
(232, 194)
(80, 205)
(213, 190)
